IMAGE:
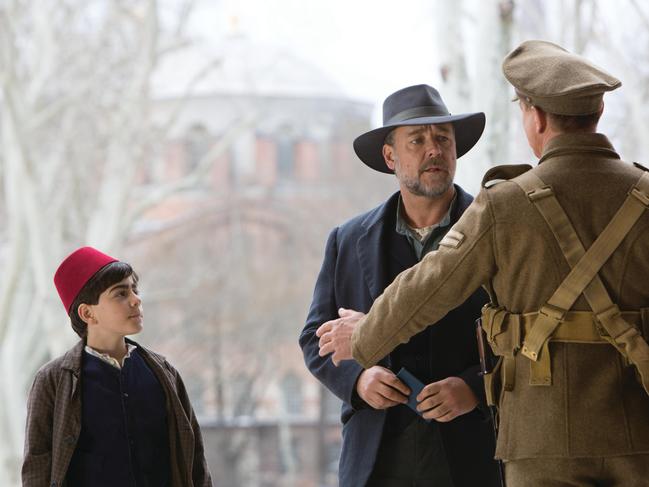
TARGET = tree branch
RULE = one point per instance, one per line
(191, 180)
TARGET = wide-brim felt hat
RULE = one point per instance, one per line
(417, 105)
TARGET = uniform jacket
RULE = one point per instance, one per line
(361, 258)
(54, 422)
(595, 406)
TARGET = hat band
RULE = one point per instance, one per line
(584, 105)
(416, 112)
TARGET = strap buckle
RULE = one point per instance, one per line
(605, 317)
(539, 193)
(549, 318)
(641, 196)
(553, 312)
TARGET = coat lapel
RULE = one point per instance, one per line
(383, 253)
(401, 253)
(72, 363)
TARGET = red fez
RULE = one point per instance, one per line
(76, 270)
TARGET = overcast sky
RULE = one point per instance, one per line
(370, 48)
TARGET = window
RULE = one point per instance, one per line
(197, 143)
(285, 157)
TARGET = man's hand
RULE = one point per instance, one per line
(380, 388)
(336, 335)
(446, 399)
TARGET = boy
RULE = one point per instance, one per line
(109, 413)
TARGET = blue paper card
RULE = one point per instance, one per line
(415, 386)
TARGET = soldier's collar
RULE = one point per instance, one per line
(578, 143)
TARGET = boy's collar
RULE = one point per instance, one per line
(109, 358)
(72, 358)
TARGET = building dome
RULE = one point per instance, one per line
(241, 66)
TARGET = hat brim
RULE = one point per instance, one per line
(468, 130)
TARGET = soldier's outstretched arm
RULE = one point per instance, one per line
(425, 293)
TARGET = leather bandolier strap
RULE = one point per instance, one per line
(554, 321)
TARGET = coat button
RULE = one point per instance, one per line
(53, 484)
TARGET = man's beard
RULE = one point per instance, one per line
(428, 190)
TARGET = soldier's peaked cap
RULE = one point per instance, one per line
(556, 80)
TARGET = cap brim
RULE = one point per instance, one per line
(468, 130)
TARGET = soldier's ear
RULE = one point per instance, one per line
(388, 156)
(540, 120)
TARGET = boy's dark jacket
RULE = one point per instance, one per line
(54, 422)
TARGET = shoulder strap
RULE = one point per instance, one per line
(583, 275)
(640, 166)
(585, 265)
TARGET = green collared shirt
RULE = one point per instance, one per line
(424, 240)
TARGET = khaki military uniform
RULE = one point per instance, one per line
(579, 397)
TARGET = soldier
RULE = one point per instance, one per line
(563, 250)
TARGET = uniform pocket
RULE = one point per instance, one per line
(502, 329)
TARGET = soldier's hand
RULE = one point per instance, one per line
(446, 399)
(336, 335)
(380, 388)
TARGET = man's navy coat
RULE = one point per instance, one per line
(361, 258)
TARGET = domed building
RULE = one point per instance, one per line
(292, 125)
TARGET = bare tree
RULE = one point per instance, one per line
(242, 286)
(472, 38)
(491, 92)
(625, 49)
(77, 133)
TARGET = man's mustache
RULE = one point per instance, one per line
(433, 163)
